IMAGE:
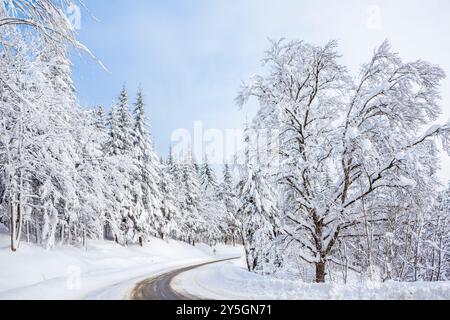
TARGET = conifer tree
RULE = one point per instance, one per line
(258, 207)
(114, 144)
(227, 195)
(193, 224)
(148, 174)
(125, 123)
(100, 120)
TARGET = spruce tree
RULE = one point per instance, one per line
(114, 145)
(148, 173)
(126, 135)
(170, 213)
(208, 181)
(227, 195)
(258, 207)
(100, 118)
(193, 223)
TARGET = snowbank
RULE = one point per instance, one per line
(103, 271)
(231, 280)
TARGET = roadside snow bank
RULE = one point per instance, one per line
(103, 271)
(232, 281)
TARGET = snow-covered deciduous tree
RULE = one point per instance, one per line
(346, 141)
(36, 107)
(440, 229)
(47, 17)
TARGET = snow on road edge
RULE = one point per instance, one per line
(231, 281)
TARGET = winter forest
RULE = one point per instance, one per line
(347, 187)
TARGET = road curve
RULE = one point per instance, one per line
(159, 287)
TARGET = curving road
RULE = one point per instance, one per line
(159, 288)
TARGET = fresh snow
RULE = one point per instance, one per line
(104, 271)
(231, 281)
(352, 188)
(109, 271)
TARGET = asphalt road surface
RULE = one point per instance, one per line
(159, 288)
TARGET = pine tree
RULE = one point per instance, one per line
(100, 118)
(148, 174)
(227, 177)
(227, 195)
(125, 123)
(208, 181)
(171, 216)
(114, 144)
(213, 210)
(125, 224)
(258, 209)
(193, 224)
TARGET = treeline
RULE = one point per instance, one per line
(68, 175)
(176, 198)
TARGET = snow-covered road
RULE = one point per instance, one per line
(98, 285)
(103, 271)
(122, 290)
(160, 287)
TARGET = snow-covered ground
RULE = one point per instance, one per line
(230, 280)
(108, 271)
(103, 271)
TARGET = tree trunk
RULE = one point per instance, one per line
(320, 272)
(19, 222)
(141, 242)
(13, 228)
(84, 240)
(438, 276)
(16, 225)
(37, 233)
(28, 231)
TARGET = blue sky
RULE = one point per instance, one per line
(190, 56)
